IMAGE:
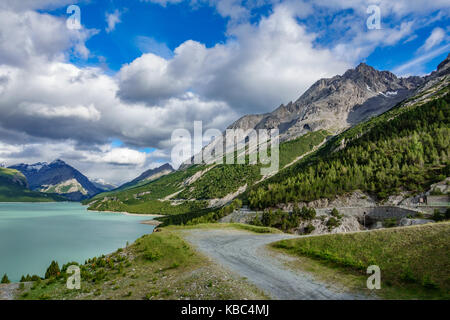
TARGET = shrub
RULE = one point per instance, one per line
(256, 221)
(389, 223)
(440, 216)
(428, 283)
(67, 265)
(333, 223)
(152, 255)
(53, 270)
(335, 213)
(5, 279)
(308, 229)
(420, 215)
(305, 213)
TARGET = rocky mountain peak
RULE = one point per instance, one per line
(444, 65)
(58, 162)
(337, 103)
(42, 175)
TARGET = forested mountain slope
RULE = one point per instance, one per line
(199, 186)
(405, 149)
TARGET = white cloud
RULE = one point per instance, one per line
(30, 37)
(53, 109)
(260, 67)
(437, 36)
(103, 162)
(46, 111)
(119, 156)
(24, 5)
(164, 2)
(150, 45)
(112, 19)
(60, 101)
(415, 66)
(364, 42)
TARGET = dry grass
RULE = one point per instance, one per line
(414, 260)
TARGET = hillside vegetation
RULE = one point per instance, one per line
(13, 188)
(403, 149)
(413, 260)
(157, 266)
(191, 187)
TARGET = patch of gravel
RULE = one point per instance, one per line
(246, 254)
(8, 291)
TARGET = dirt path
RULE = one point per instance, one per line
(246, 254)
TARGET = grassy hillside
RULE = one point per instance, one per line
(212, 181)
(414, 261)
(157, 266)
(13, 188)
(407, 148)
(225, 179)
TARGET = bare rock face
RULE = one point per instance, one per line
(346, 224)
(336, 103)
(42, 175)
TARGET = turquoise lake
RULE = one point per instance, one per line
(34, 234)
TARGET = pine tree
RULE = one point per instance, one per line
(5, 279)
(53, 270)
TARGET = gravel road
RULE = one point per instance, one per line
(246, 254)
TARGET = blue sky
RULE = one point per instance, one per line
(108, 96)
(168, 26)
(150, 27)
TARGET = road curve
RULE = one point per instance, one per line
(246, 254)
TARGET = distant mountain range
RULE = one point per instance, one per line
(60, 178)
(57, 181)
(103, 185)
(149, 175)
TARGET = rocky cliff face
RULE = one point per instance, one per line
(337, 103)
(58, 177)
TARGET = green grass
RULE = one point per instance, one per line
(149, 207)
(222, 180)
(12, 189)
(156, 189)
(10, 173)
(239, 226)
(414, 261)
(157, 266)
(218, 182)
(291, 150)
(404, 149)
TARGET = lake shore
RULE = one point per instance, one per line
(132, 214)
(60, 226)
